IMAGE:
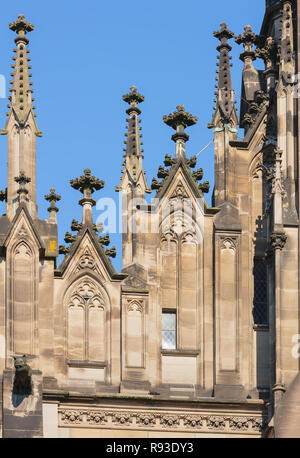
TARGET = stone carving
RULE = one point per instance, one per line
(72, 416)
(257, 424)
(146, 420)
(156, 420)
(278, 240)
(216, 423)
(86, 261)
(97, 418)
(86, 293)
(22, 381)
(135, 306)
(228, 243)
(168, 421)
(193, 422)
(179, 192)
(22, 233)
(240, 423)
(122, 418)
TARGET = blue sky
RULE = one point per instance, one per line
(85, 55)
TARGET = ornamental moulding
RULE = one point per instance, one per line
(161, 421)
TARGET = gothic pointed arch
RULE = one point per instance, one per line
(87, 315)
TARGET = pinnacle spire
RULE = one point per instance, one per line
(133, 143)
(133, 165)
(225, 94)
(21, 98)
(179, 120)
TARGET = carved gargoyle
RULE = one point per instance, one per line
(22, 380)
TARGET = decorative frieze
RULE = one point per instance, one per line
(167, 421)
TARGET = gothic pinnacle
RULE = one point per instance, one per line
(52, 198)
(179, 120)
(133, 164)
(133, 142)
(21, 99)
(225, 95)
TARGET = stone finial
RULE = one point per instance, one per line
(179, 120)
(248, 39)
(224, 34)
(87, 184)
(22, 180)
(133, 99)
(21, 26)
(52, 198)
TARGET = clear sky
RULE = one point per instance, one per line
(86, 55)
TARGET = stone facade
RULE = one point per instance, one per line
(196, 336)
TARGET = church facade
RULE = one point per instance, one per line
(198, 335)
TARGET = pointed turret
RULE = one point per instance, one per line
(21, 127)
(133, 184)
(133, 174)
(225, 103)
(179, 120)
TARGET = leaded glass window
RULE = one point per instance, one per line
(169, 340)
(260, 311)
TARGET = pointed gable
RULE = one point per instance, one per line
(86, 253)
(23, 226)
